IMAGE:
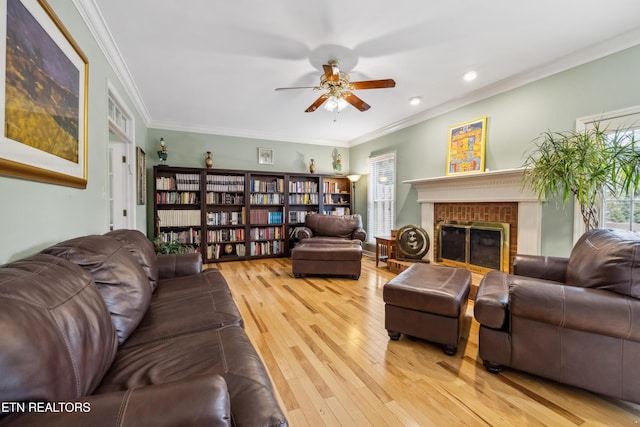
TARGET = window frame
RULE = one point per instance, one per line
(372, 199)
(626, 117)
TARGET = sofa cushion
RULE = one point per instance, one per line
(121, 281)
(56, 336)
(226, 351)
(606, 259)
(142, 249)
(333, 225)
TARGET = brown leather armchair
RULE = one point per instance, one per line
(332, 229)
(329, 244)
(574, 320)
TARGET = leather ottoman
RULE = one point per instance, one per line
(327, 258)
(429, 302)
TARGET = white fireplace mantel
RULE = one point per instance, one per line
(491, 186)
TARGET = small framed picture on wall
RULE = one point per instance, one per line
(265, 156)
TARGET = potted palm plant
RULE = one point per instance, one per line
(583, 164)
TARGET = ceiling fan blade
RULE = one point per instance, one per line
(313, 107)
(298, 87)
(355, 101)
(373, 84)
(331, 72)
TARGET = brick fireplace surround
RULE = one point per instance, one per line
(504, 212)
(496, 196)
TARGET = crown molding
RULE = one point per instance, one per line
(94, 20)
(245, 134)
(597, 51)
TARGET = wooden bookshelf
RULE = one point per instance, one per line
(239, 214)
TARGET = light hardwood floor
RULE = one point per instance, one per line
(332, 363)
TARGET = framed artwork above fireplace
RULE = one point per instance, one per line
(465, 152)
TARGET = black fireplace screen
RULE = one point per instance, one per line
(474, 244)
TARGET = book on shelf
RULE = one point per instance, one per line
(267, 185)
(177, 198)
(226, 218)
(265, 216)
(179, 218)
(225, 183)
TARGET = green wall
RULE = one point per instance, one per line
(35, 215)
(515, 118)
(189, 149)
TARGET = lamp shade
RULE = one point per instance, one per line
(353, 178)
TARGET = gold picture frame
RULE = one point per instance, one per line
(45, 111)
(466, 147)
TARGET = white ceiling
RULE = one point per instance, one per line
(212, 66)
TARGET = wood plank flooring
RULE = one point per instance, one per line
(332, 363)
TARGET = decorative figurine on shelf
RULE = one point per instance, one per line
(208, 161)
(312, 166)
(163, 153)
(338, 166)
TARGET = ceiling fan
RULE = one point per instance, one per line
(339, 89)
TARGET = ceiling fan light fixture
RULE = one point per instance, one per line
(416, 100)
(335, 104)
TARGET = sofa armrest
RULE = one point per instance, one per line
(491, 306)
(359, 234)
(178, 265)
(304, 233)
(591, 310)
(193, 402)
(541, 267)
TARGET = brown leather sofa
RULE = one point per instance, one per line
(329, 244)
(574, 320)
(99, 331)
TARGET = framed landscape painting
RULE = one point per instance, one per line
(466, 149)
(45, 87)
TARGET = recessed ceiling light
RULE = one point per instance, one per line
(416, 100)
(470, 76)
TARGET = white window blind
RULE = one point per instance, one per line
(382, 196)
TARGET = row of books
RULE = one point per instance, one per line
(298, 217)
(331, 187)
(267, 248)
(225, 199)
(335, 199)
(219, 250)
(264, 216)
(266, 233)
(181, 182)
(179, 218)
(226, 218)
(267, 199)
(275, 185)
(337, 211)
(303, 187)
(303, 199)
(225, 183)
(177, 198)
(186, 237)
(226, 235)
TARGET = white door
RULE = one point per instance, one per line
(121, 177)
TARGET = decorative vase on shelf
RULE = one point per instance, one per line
(312, 166)
(208, 161)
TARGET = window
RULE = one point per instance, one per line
(614, 212)
(381, 197)
(623, 212)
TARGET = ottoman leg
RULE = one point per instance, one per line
(395, 336)
(449, 350)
